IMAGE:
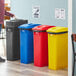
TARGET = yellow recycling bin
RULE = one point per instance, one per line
(58, 48)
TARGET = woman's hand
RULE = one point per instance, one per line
(14, 17)
(74, 37)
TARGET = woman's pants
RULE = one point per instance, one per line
(0, 27)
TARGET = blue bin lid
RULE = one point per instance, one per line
(28, 26)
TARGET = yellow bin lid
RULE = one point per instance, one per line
(57, 30)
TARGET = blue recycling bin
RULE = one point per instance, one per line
(26, 43)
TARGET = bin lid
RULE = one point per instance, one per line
(57, 30)
(28, 26)
(16, 22)
(42, 27)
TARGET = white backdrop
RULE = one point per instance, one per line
(7, 1)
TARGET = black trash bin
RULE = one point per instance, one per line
(13, 39)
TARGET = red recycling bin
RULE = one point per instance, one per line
(41, 45)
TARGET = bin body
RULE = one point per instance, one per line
(26, 43)
(13, 39)
(58, 49)
(41, 45)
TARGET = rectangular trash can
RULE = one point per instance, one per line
(13, 39)
(58, 48)
(41, 45)
(26, 43)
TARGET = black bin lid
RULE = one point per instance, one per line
(16, 23)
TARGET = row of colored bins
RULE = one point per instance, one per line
(54, 41)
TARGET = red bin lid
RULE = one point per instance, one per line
(42, 27)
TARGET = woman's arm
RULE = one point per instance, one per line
(9, 14)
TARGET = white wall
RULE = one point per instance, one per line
(69, 38)
(7, 1)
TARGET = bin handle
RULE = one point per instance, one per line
(58, 33)
(39, 31)
(25, 29)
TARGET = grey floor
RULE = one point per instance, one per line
(15, 68)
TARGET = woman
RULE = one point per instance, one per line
(2, 13)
